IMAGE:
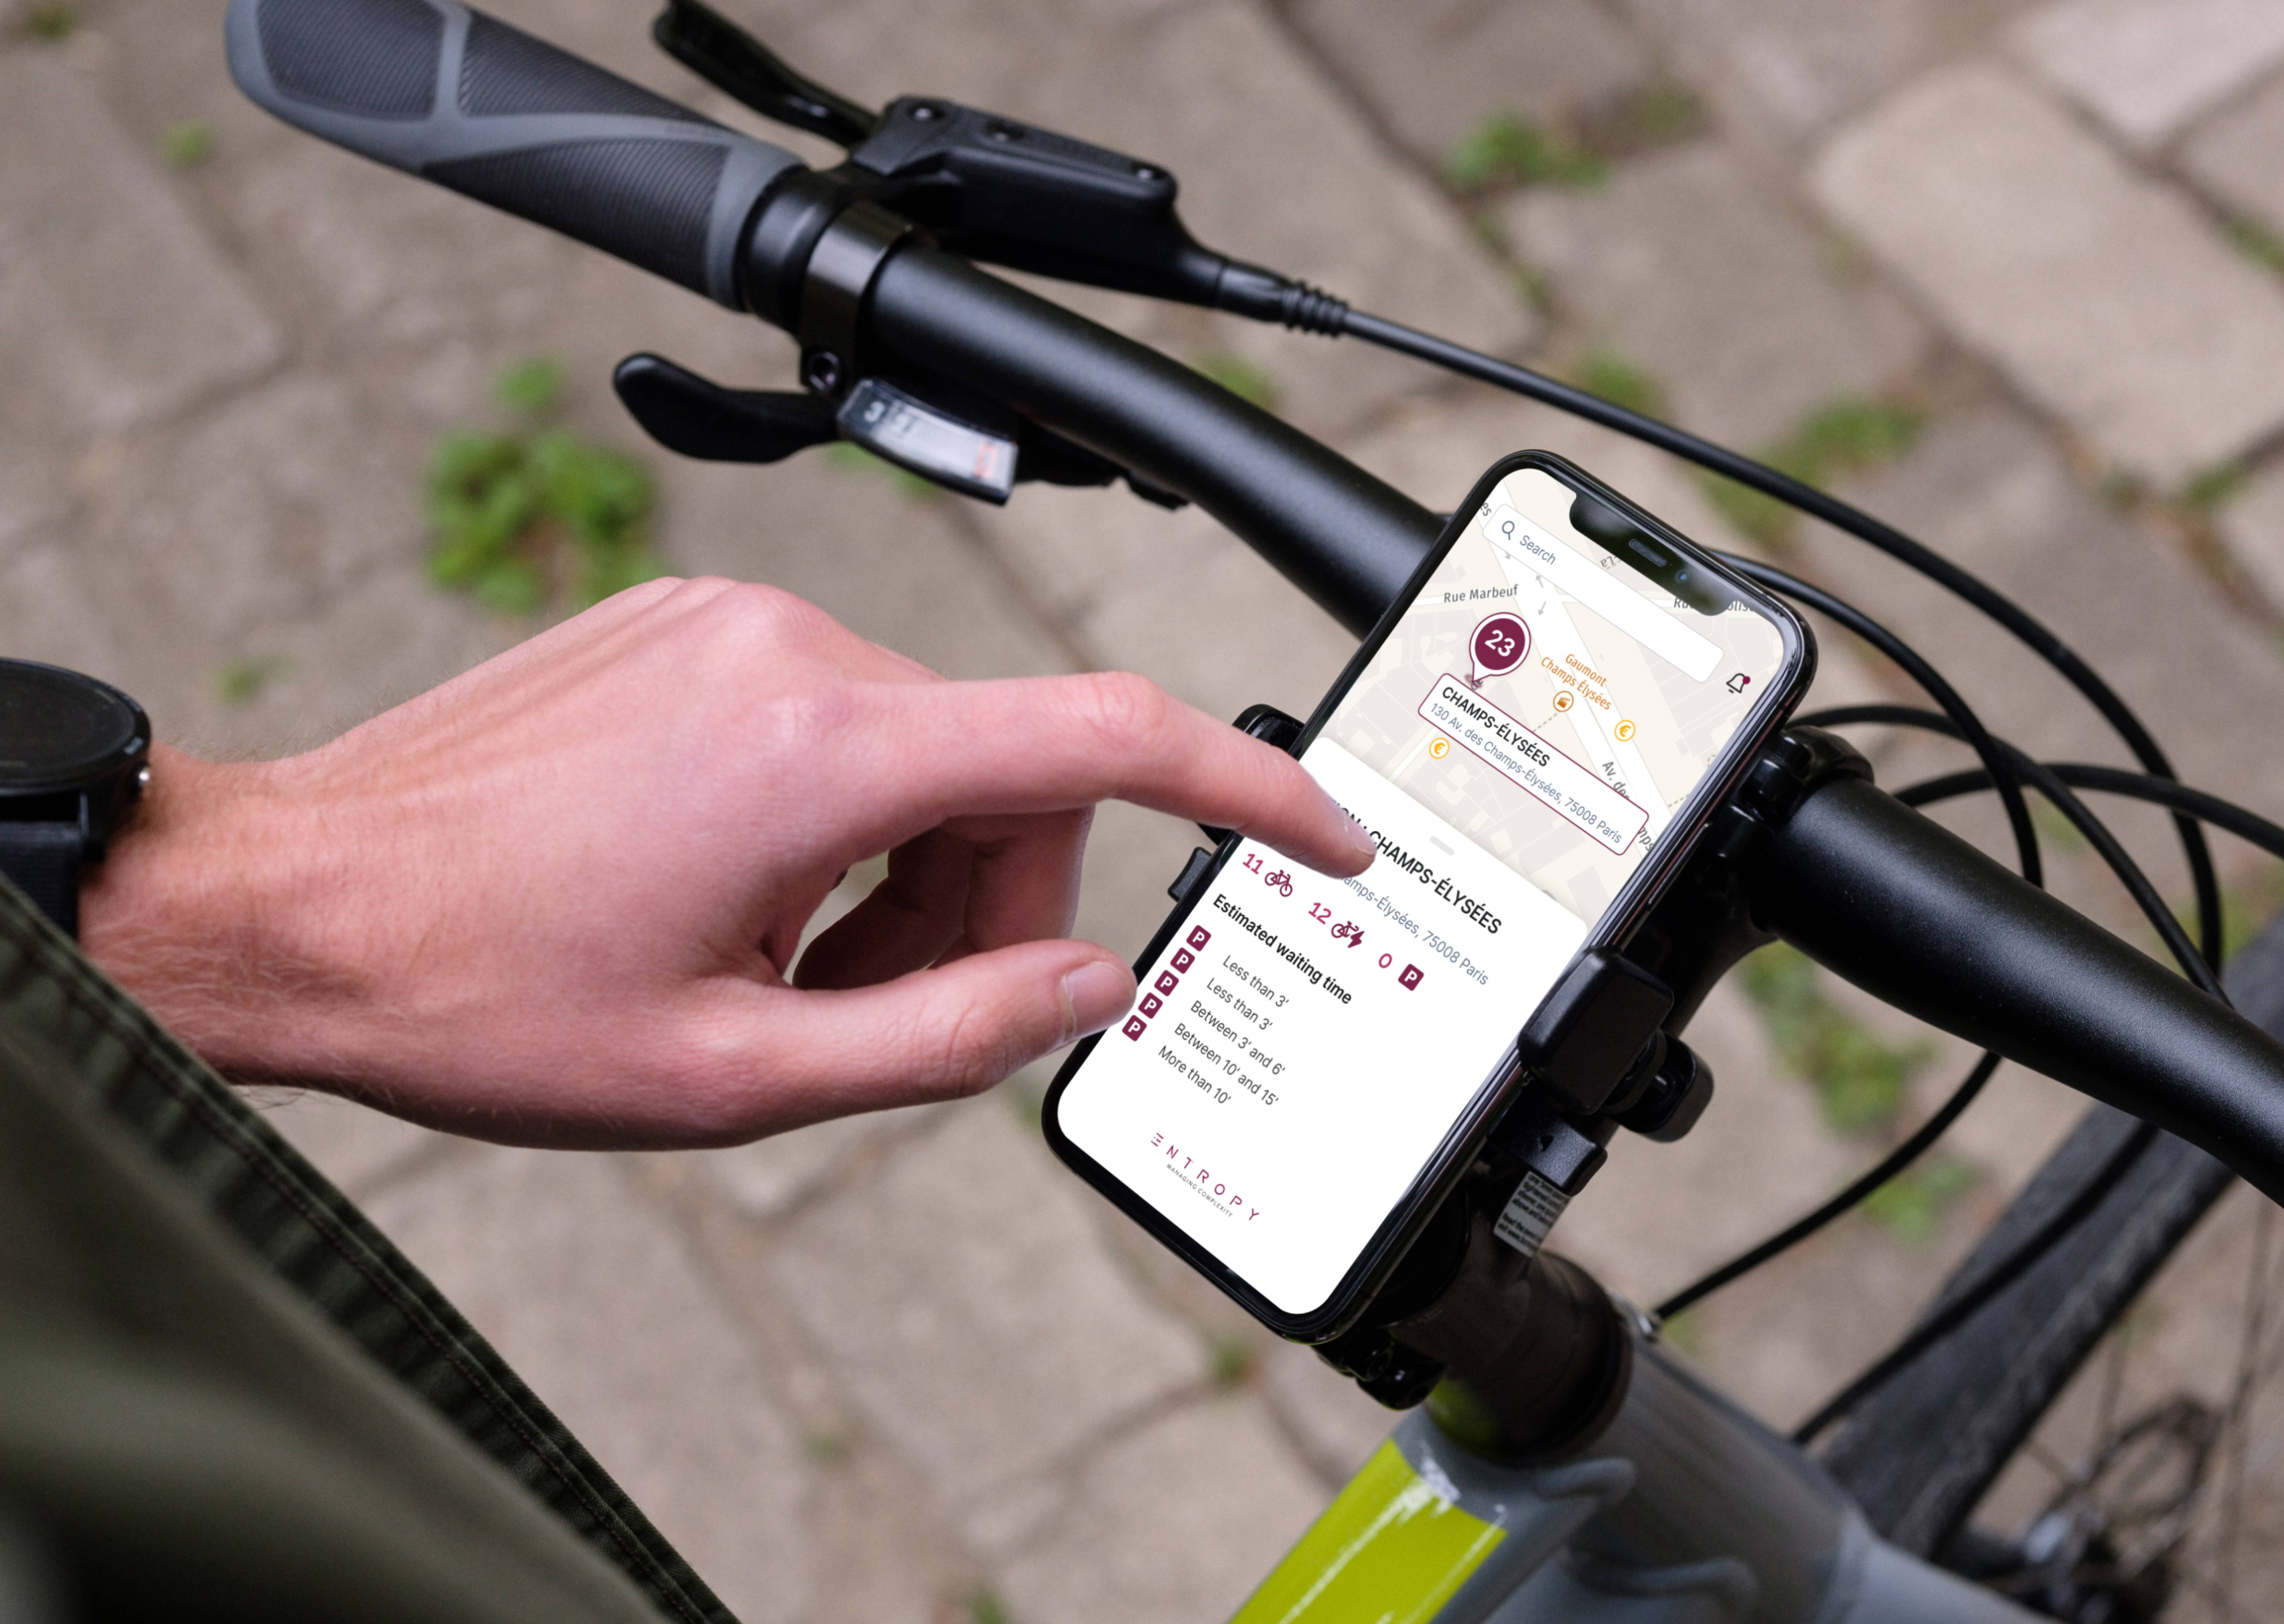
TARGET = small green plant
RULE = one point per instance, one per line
(1248, 380)
(1912, 1204)
(1509, 150)
(2120, 489)
(2054, 829)
(1604, 372)
(242, 680)
(855, 459)
(538, 515)
(50, 20)
(187, 144)
(2255, 241)
(1652, 116)
(1534, 290)
(1685, 1332)
(2246, 907)
(1028, 1102)
(825, 1445)
(1860, 1079)
(1849, 435)
(1664, 111)
(2208, 490)
(982, 1607)
(1230, 1362)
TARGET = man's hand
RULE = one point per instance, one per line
(556, 900)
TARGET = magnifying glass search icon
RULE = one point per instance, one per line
(1507, 527)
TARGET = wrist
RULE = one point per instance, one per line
(202, 911)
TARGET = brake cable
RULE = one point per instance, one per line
(1843, 517)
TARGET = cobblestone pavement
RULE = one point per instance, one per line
(904, 1368)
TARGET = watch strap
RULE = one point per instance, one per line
(44, 860)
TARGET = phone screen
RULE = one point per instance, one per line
(1518, 742)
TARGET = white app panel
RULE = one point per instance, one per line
(1303, 1044)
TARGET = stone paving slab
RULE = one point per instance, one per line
(587, 1289)
(2252, 527)
(2233, 157)
(255, 514)
(49, 612)
(2106, 299)
(1176, 1523)
(2149, 68)
(1692, 270)
(1275, 169)
(357, 1148)
(1779, 73)
(770, 1177)
(114, 305)
(963, 1299)
(1330, 1421)
(1989, 492)
(1431, 73)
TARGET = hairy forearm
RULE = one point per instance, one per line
(206, 911)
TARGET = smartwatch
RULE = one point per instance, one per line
(74, 754)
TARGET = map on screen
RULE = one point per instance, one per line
(1568, 765)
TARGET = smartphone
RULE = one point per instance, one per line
(1556, 703)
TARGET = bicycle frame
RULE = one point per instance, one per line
(1686, 1509)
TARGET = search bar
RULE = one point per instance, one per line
(1530, 546)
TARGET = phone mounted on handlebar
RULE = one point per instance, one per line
(962, 378)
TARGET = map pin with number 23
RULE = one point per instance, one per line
(1498, 645)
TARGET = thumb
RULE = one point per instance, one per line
(951, 1030)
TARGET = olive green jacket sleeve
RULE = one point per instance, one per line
(224, 1395)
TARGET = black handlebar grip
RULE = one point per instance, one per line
(461, 98)
(1890, 900)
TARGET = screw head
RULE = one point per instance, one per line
(925, 114)
(1148, 172)
(1000, 129)
(821, 370)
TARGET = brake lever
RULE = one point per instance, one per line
(699, 417)
(739, 65)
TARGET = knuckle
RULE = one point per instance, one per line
(975, 1051)
(1129, 714)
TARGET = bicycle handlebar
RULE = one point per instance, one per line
(463, 99)
(1890, 900)
(1873, 891)
(1347, 540)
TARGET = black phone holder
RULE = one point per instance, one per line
(1603, 1051)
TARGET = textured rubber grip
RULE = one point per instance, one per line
(463, 99)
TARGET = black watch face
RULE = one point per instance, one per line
(58, 729)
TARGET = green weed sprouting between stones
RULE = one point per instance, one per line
(1603, 371)
(2255, 241)
(2214, 486)
(537, 516)
(241, 681)
(1861, 1082)
(1507, 149)
(51, 19)
(1860, 1079)
(2246, 907)
(187, 144)
(1849, 435)
(1685, 1332)
(1655, 116)
(982, 1607)
(1910, 1206)
(1248, 380)
(1230, 1362)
